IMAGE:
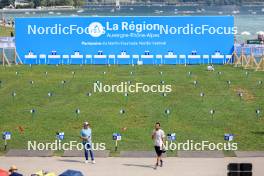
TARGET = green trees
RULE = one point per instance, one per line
(4, 3)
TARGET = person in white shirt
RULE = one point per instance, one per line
(158, 136)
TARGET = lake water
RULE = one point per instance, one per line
(249, 19)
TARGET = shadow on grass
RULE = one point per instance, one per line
(140, 165)
(258, 132)
(70, 161)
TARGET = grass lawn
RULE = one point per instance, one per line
(5, 31)
(189, 117)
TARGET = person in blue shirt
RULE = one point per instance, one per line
(86, 136)
(13, 171)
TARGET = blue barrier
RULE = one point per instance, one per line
(125, 40)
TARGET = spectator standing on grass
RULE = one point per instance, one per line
(158, 136)
(86, 136)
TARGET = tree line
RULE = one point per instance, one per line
(45, 3)
(78, 3)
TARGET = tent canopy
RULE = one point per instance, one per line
(3, 172)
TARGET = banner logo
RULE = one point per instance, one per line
(96, 29)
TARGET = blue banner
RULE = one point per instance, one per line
(125, 40)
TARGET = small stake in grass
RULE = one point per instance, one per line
(32, 112)
(77, 112)
(219, 73)
(202, 95)
(46, 74)
(116, 137)
(73, 74)
(122, 111)
(60, 136)
(126, 96)
(260, 82)
(171, 137)
(240, 94)
(63, 82)
(97, 82)
(17, 73)
(6, 137)
(247, 73)
(129, 82)
(104, 72)
(195, 83)
(189, 74)
(162, 82)
(89, 94)
(161, 73)
(229, 137)
(164, 94)
(258, 113)
(228, 83)
(131, 73)
(212, 112)
(167, 112)
(50, 94)
(31, 82)
(13, 94)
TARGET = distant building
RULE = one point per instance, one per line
(21, 3)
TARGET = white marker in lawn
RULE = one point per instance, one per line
(50, 94)
(247, 73)
(89, 94)
(202, 95)
(164, 94)
(228, 83)
(63, 82)
(73, 74)
(77, 112)
(212, 112)
(32, 112)
(167, 112)
(240, 94)
(122, 111)
(195, 83)
(258, 113)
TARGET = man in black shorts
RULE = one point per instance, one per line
(158, 136)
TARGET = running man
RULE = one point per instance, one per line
(86, 136)
(158, 136)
